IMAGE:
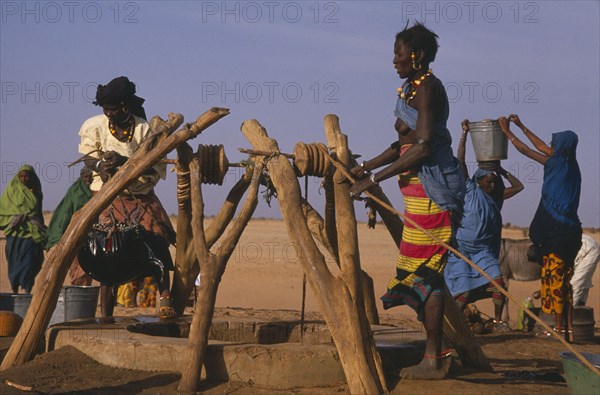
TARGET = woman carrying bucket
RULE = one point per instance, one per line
(555, 229)
(479, 235)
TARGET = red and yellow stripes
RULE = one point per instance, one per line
(417, 248)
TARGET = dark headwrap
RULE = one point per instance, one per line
(562, 179)
(120, 91)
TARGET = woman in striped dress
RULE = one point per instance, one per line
(433, 187)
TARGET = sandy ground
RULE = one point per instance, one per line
(264, 273)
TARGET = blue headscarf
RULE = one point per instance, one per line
(498, 194)
(562, 179)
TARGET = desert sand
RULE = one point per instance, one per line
(264, 275)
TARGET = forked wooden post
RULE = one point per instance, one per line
(346, 322)
(186, 262)
(212, 265)
(338, 146)
(54, 270)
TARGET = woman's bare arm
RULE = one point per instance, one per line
(519, 145)
(537, 142)
(516, 185)
(460, 152)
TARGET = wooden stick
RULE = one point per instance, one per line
(265, 153)
(584, 360)
(20, 387)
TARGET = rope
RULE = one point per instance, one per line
(86, 156)
(303, 276)
(345, 172)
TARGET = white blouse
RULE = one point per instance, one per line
(95, 134)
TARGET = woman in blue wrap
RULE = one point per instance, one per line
(479, 235)
(432, 185)
(555, 229)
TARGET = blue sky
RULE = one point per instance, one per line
(288, 64)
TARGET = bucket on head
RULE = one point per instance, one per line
(580, 379)
(488, 140)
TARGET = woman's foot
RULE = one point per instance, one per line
(432, 367)
(166, 309)
(499, 326)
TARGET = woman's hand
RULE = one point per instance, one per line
(504, 124)
(16, 221)
(103, 170)
(113, 160)
(359, 172)
(465, 126)
(514, 118)
(359, 186)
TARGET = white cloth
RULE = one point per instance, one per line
(95, 134)
(585, 264)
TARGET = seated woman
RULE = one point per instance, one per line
(555, 229)
(479, 235)
(22, 222)
(118, 133)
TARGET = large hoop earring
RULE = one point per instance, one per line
(414, 64)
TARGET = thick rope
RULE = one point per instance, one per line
(347, 174)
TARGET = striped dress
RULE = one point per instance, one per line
(420, 265)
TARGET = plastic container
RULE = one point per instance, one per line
(488, 140)
(580, 379)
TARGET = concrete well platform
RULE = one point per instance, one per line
(248, 356)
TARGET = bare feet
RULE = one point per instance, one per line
(428, 369)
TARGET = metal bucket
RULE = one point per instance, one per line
(80, 301)
(488, 140)
(75, 302)
(583, 324)
(21, 304)
(580, 379)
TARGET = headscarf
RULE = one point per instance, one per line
(562, 179)
(76, 197)
(498, 194)
(120, 91)
(18, 199)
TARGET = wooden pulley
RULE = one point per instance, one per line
(309, 161)
(214, 163)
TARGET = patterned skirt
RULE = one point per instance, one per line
(420, 265)
(556, 284)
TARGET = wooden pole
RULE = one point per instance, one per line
(340, 310)
(212, 267)
(338, 145)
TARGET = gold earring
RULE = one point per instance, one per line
(414, 64)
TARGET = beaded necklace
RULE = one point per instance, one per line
(413, 87)
(127, 132)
